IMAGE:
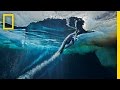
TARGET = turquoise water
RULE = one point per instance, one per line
(22, 51)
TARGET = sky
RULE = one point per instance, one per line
(24, 18)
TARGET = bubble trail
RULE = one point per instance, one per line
(31, 73)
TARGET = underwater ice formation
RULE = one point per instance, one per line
(102, 41)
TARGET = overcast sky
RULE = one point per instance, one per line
(24, 18)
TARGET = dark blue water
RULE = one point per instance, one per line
(40, 43)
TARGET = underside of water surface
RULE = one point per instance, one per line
(31, 51)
